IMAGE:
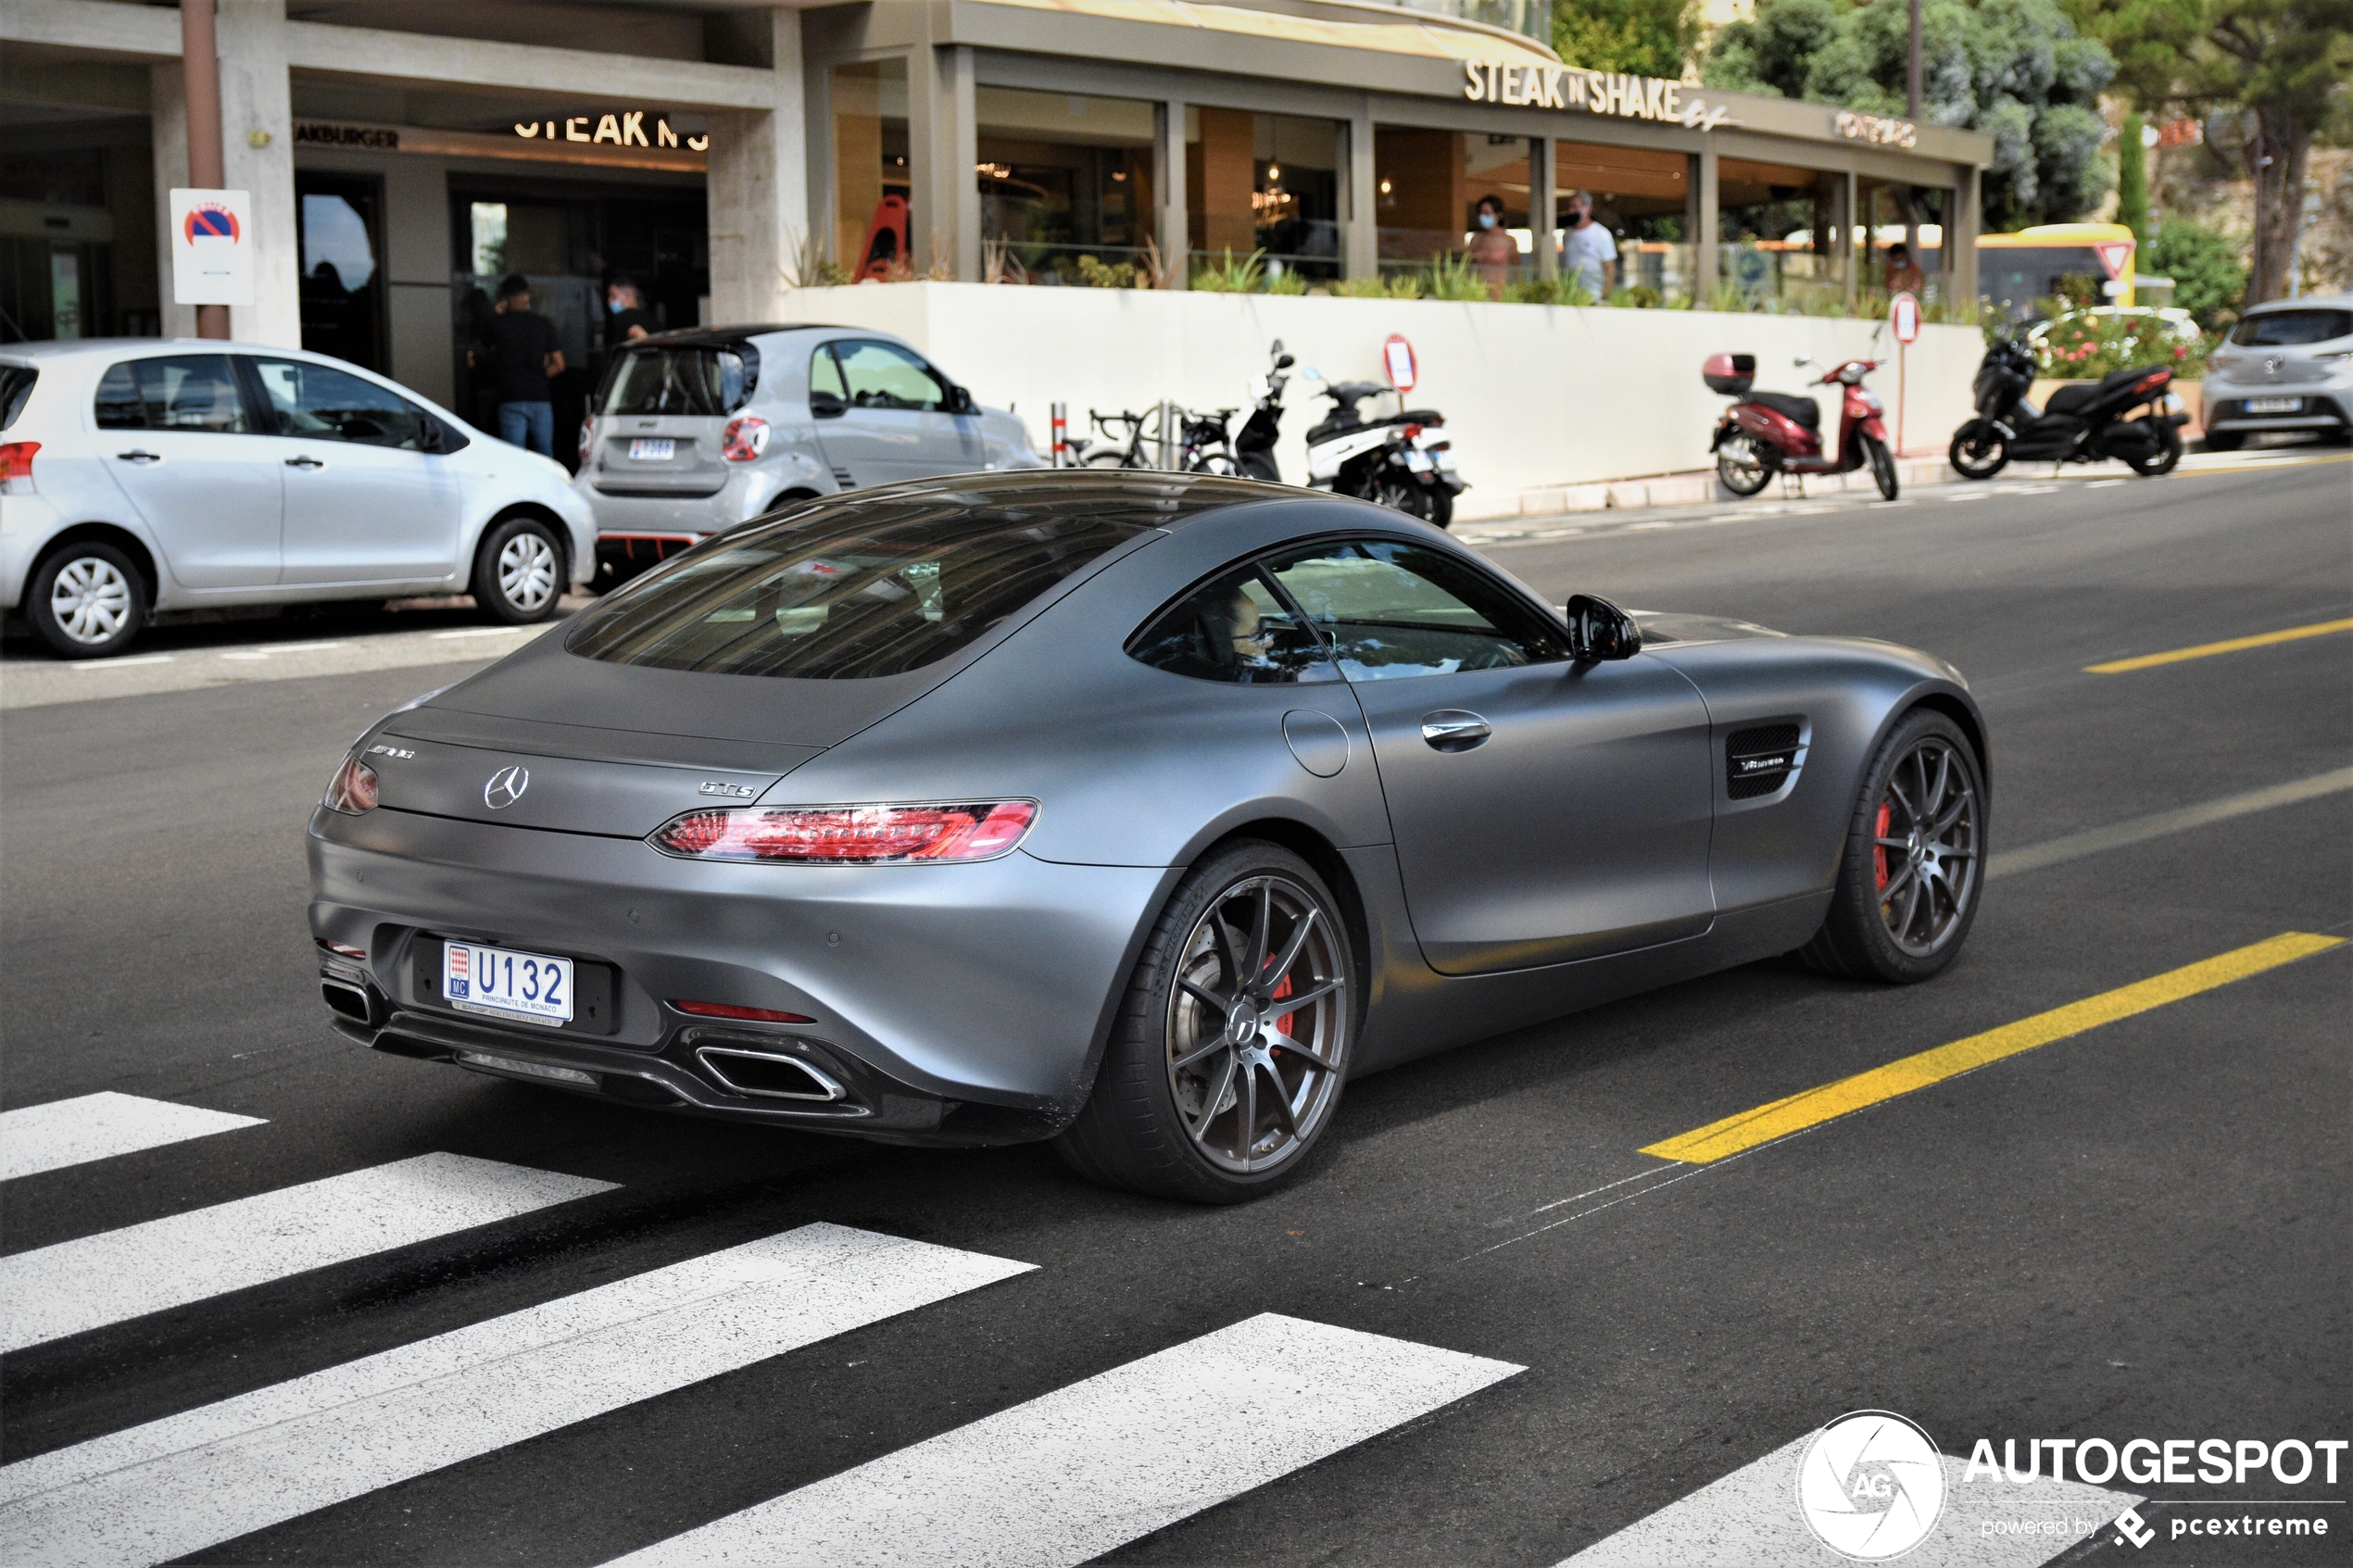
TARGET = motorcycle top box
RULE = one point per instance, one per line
(1729, 375)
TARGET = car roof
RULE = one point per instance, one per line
(1146, 497)
(2310, 302)
(725, 337)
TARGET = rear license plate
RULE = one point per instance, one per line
(2274, 405)
(502, 983)
(659, 449)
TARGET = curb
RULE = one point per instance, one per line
(1671, 490)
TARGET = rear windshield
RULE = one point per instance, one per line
(680, 381)
(849, 592)
(2281, 329)
(16, 385)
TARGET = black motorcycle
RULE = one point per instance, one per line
(2080, 424)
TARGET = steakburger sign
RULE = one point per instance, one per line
(1596, 91)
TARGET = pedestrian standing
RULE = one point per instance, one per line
(630, 320)
(1902, 272)
(523, 358)
(1492, 251)
(1588, 253)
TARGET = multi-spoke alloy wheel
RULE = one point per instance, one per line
(1915, 857)
(1257, 1024)
(1924, 856)
(1230, 1050)
(86, 601)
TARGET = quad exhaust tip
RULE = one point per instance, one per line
(769, 1075)
(349, 1000)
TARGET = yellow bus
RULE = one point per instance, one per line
(2014, 271)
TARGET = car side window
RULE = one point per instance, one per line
(883, 376)
(1235, 629)
(1391, 608)
(824, 376)
(172, 392)
(324, 404)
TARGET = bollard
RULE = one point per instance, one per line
(1167, 434)
(1061, 454)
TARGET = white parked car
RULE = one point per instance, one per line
(144, 474)
(697, 430)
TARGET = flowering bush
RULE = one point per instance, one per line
(2087, 346)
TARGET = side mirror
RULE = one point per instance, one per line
(960, 400)
(826, 405)
(1276, 348)
(1802, 360)
(1284, 362)
(1598, 630)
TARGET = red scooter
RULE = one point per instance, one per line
(1772, 432)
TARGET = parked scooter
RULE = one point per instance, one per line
(2080, 424)
(1394, 460)
(1772, 432)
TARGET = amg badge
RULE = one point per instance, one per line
(732, 790)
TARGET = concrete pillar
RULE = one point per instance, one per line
(1543, 220)
(1854, 224)
(943, 132)
(1172, 221)
(757, 188)
(1962, 221)
(257, 155)
(1701, 221)
(167, 125)
(1360, 250)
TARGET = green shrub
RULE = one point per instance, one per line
(1286, 282)
(1095, 274)
(2086, 347)
(1453, 277)
(2208, 271)
(1637, 297)
(1229, 276)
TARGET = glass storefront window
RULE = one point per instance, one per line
(1267, 182)
(341, 294)
(873, 230)
(1777, 232)
(1427, 186)
(1066, 180)
(1640, 197)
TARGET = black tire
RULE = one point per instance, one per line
(2164, 461)
(1441, 507)
(1403, 493)
(1742, 479)
(2225, 440)
(1883, 468)
(1977, 450)
(1859, 939)
(520, 571)
(1136, 1130)
(86, 601)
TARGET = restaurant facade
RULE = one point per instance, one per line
(402, 159)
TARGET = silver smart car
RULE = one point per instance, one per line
(1140, 812)
(692, 433)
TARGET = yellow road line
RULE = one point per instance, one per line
(1813, 1107)
(2261, 640)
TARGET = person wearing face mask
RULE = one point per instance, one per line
(628, 319)
(1492, 251)
(1588, 253)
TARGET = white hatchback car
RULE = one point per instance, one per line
(144, 474)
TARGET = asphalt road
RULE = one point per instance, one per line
(2137, 1230)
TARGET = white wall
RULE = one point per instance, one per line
(1534, 396)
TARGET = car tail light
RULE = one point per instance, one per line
(341, 949)
(16, 467)
(353, 789)
(587, 438)
(850, 835)
(745, 439)
(748, 1015)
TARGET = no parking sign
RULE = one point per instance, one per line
(1904, 315)
(211, 248)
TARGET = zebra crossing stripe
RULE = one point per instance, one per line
(187, 1482)
(74, 1132)
(1076, 1473)
(78, 1285)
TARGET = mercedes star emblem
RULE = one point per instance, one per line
(506, 787)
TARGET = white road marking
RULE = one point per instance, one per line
(485, 632)
(119, 663)
(2137, 830)
(2103, 483)
(190, 1481)
(274, 650)
(1971, 496)
(78, 1285)
(1069, 1475)
(1750, 1519)
(73, 1132)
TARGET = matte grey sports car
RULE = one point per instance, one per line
(1139, 812)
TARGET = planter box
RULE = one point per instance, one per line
(2192, 393)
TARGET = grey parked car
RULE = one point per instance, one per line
(2288, 366)
(693, 433)
(1136, 812)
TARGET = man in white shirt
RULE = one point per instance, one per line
(1588, 253)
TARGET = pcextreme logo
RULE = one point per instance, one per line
(1870, 1486)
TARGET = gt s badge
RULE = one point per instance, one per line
(390, 751)
(732, 790)
(506, 787)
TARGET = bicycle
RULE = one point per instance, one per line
(1109, 451)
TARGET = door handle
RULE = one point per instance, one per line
(135, 456)
(1454, 729)
(305, 461)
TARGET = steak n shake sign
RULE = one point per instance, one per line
(1596, 91)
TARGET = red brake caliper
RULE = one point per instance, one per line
(1283, 1024)
(1879, 851)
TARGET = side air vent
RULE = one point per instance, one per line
(1759, 762)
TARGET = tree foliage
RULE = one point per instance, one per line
(2209, 271)
(1643, 37)
(2132, 179)
(2016, 69)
